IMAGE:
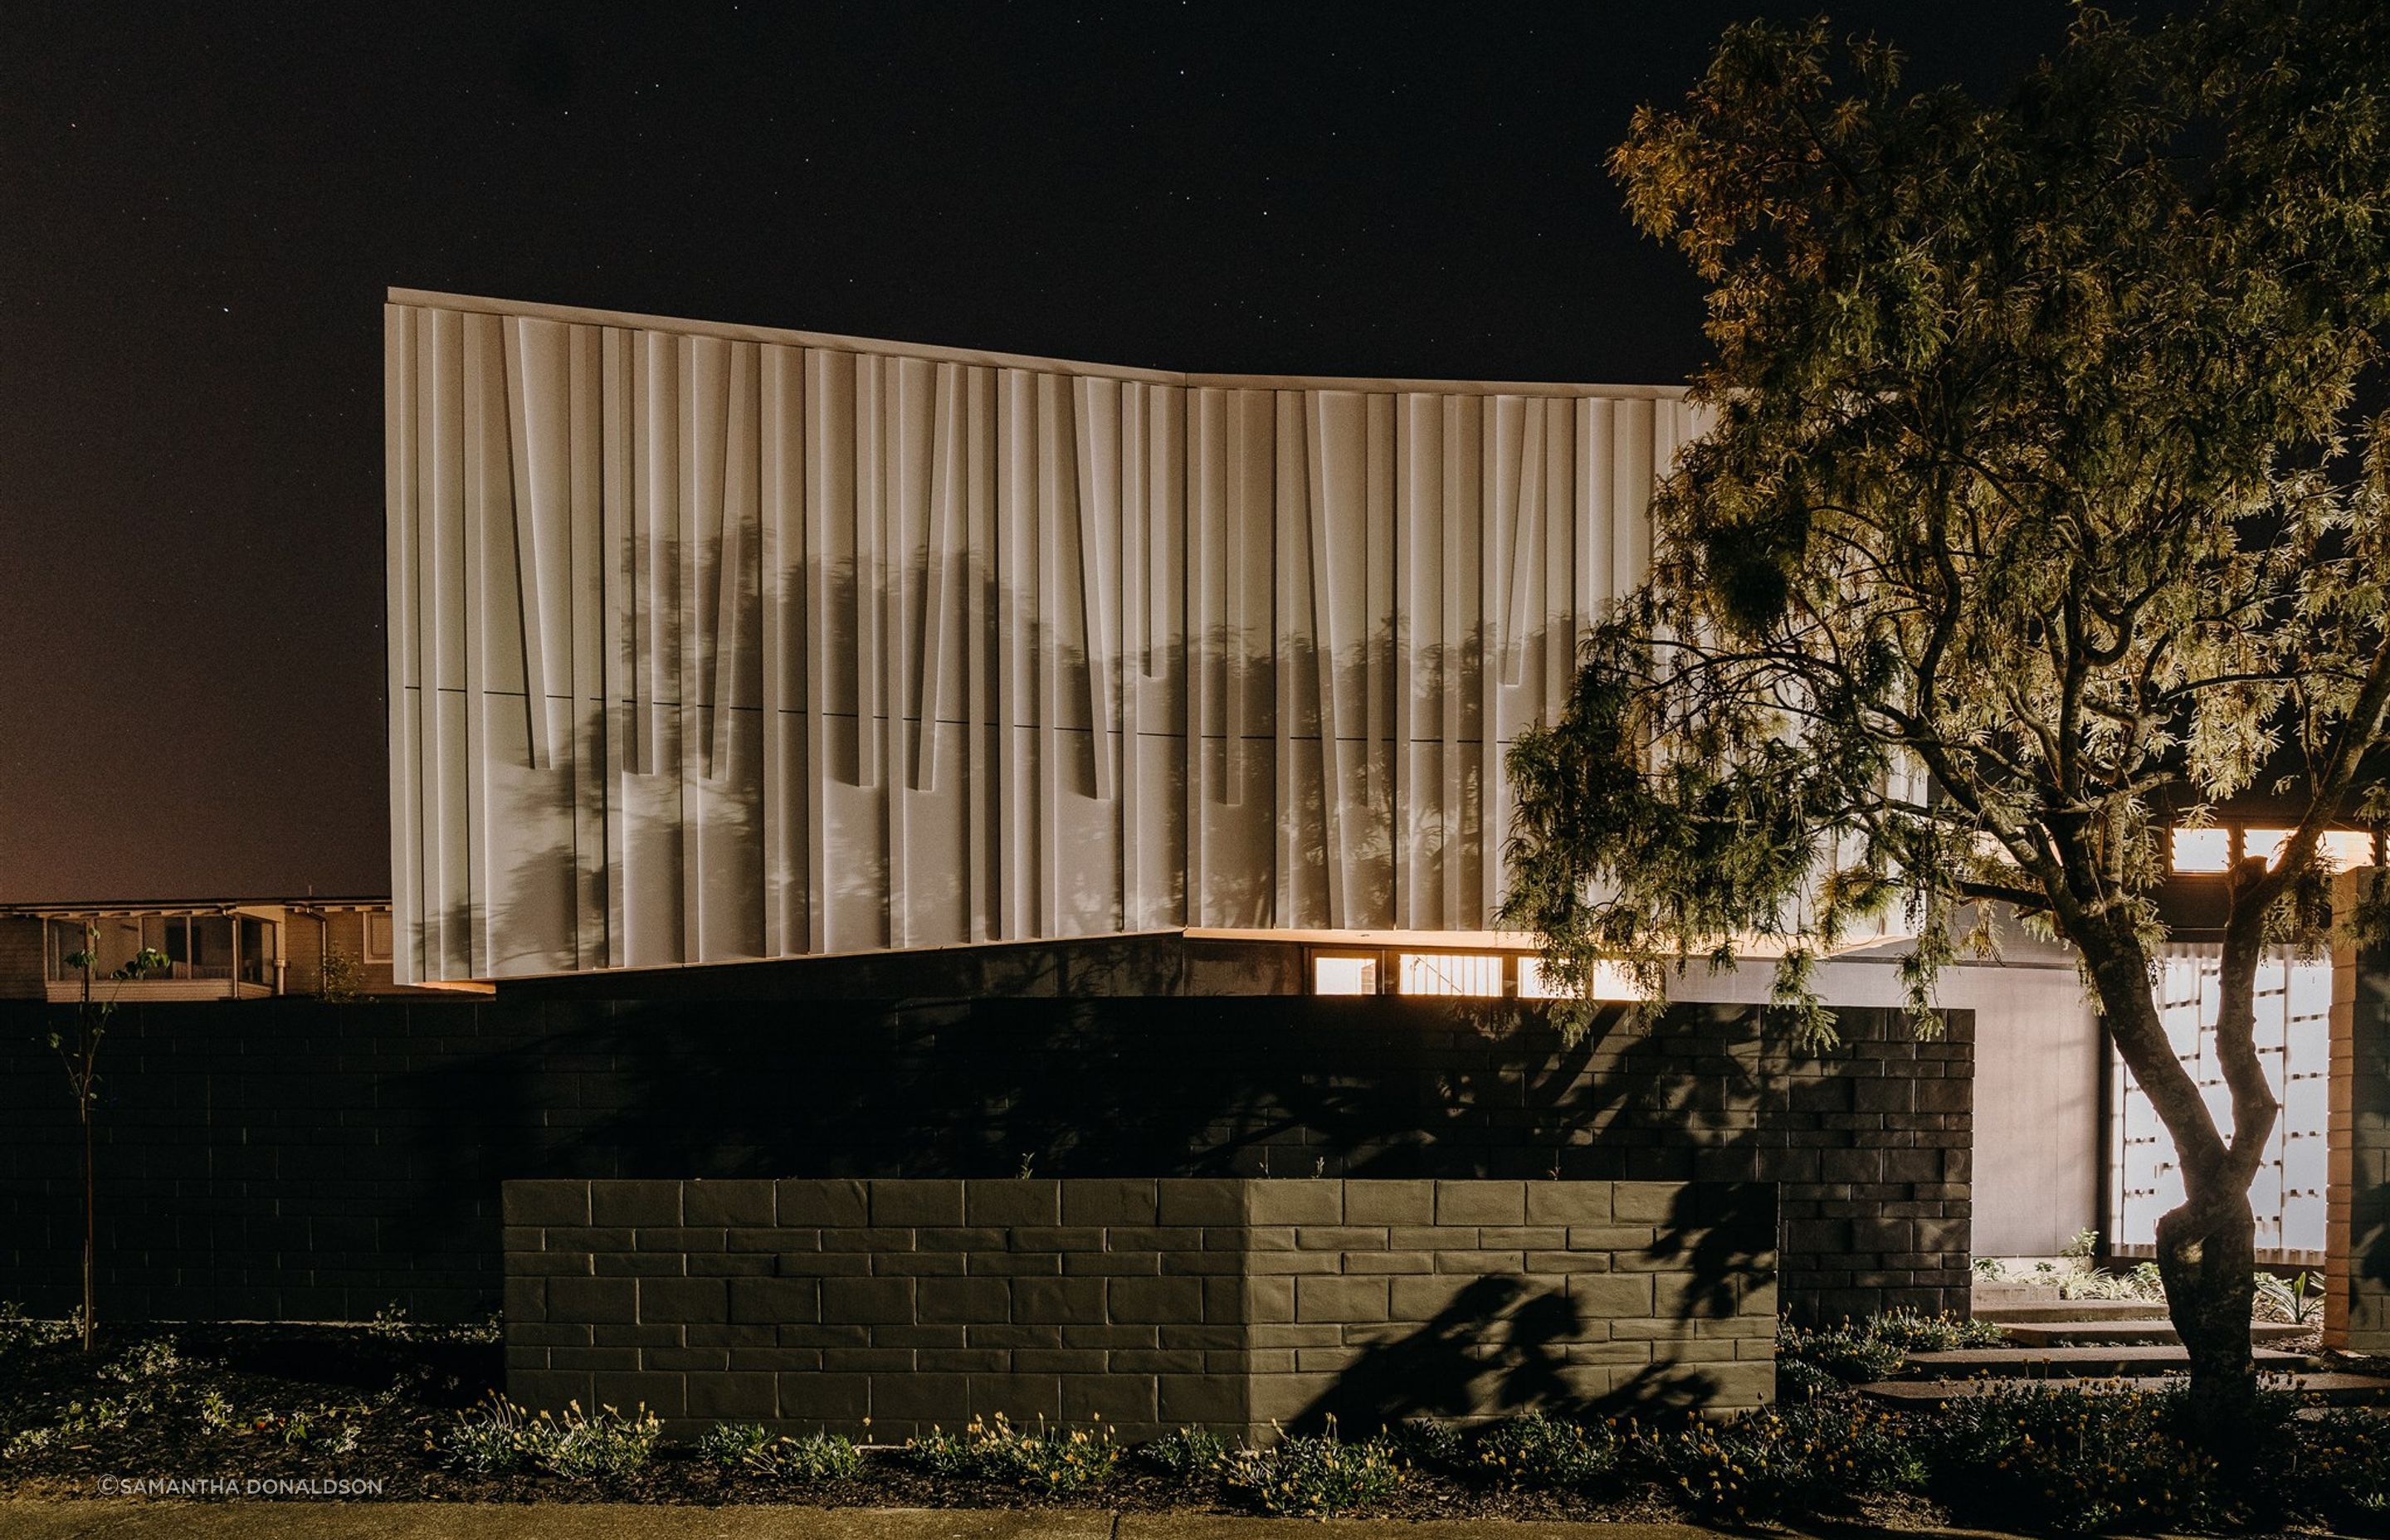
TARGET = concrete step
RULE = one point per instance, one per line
(2334, 1388)
(2068, 1363)
(2152, 1328)
(2050, 1308)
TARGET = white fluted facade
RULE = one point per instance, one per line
(711, 643)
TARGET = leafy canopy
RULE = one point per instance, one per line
(2035, 506)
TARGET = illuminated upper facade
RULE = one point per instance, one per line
(713, 643)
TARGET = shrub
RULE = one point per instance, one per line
(815, 1458)
(155, 1358)
(2073, 1460)
(499, 1436)
(1050, 1459)
(18, 1331)
(2298, 1300)
(1426, 1445)
(1305, 1477)
(1846, 1353)
(1913, 1332)
(1789, 1461)
(215, 1412)
(730, 1443)
(2345, 1456)
(1189, 1452)
(1539, 1451)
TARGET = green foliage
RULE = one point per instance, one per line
(341, 978)
(2035, 466)
(807, 1461)
(152, 1358)
(2071, 1462)
(499, 1436)
(1789, 1461)
(82, 1422)
(216, 1414)
(1914, 1332)
(1425, 1444)
(2085, 1245)
(2297, 1298)
(2346, 1456)
(1048, 1460)
(324, 1429)
(1989, 1269)
(20, 1332)
(1303, 1476)
(1189, 1452)
(1548, 1453)
(1849, 1354)
(730, 1443)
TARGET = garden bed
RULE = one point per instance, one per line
(409, 1412)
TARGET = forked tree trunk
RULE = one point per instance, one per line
(2207, 1246)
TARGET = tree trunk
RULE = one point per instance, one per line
(2207, 1254)
(90, 1235)
(2207, 1247)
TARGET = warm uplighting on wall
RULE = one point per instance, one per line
(1474, 973)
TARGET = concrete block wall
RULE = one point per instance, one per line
(2357, 1266)
(883, 1308)
(295, 1160)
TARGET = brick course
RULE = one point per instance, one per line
(1672, 1305)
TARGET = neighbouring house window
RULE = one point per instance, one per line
(377, 935)
(256, 951)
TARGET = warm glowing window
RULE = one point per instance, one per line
(1344, 975)
(2347, 848)
(1452, 973)
(2343, 848)
(2202, 850)
(1611, 982)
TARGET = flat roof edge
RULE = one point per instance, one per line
(734, 331)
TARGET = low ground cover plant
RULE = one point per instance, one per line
(1816, 1361)
(1315, 1476)
(2070, 1461)
(500, 1437)
(807, 1461)
(1548, 1453)
(1044, 1458)
(1818, 1458)
(1188, 1453)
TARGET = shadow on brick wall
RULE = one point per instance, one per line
(1501, 1347)
(317, 1161)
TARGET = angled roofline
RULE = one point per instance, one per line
(583, 316)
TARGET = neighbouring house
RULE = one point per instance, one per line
(228, 949)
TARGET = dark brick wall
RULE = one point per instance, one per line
(293, 1159)
(885, 1308)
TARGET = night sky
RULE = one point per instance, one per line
(202, 207)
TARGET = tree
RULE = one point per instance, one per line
(2035, 512)
(80, 1055)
